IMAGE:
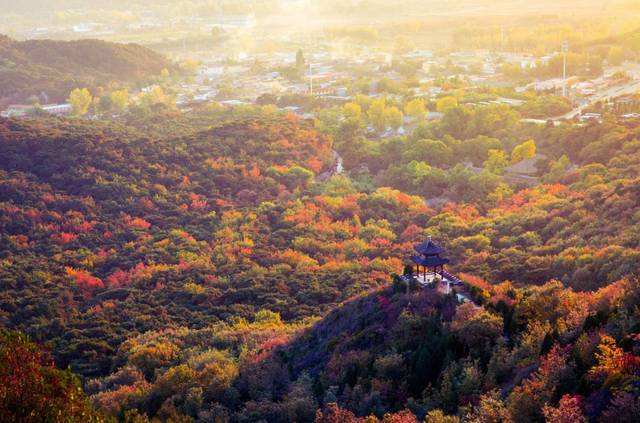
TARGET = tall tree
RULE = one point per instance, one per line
(33, 390)
(376, 114)
(119, 99)
(393, 117)
(300, 61)
(80, 99)
(524, 151)
(445, 103)
(416, 108)
(497, 162)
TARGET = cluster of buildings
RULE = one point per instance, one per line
(326, 74)
(246, 78)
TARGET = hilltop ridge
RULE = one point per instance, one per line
(32, 67)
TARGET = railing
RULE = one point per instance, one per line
(462, 293)
(451, 277)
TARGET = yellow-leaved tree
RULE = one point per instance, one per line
(119, 99)
(80, 100)
(445, 103)
(416, 108)
(524, 151)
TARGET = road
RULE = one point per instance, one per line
(613, 92)
(617, 91)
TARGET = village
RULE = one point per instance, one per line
(305, 81)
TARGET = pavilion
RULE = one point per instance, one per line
(428, 261)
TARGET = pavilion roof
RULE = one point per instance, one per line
(428, 248)
(431, 261)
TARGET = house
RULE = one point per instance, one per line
(591, 117)
(525, 167)
(435, 115)
(585, 88)
(419, 54)
(233, 103)
(233, 21)
(58, 109)
(488, 68)
(85, 27)
(528, 63)
(509, 101)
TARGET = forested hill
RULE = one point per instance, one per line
(195, 266)
(29, 68)
(183, 230)
(525, 355)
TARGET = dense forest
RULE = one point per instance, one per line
(208, 266)
(329, 211)
(33, 67)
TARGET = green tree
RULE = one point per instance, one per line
(104, 104)
(155, 95)
(376, 114)
(300, 61)
(298, 176)
(352, 113)
(434, 152)
(477, 149)
(557, 169)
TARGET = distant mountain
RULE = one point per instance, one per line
(33, 67)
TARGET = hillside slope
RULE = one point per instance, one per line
(56, 67)
(195, 266)
(106, 233)
(546, 350)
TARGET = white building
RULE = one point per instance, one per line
(58, 109)
(21, 110)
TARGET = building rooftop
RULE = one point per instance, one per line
(428, 248)
(430, 261)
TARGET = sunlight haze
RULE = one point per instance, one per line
(328, 211)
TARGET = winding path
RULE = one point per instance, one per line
(336, 169)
